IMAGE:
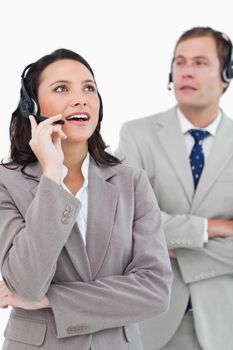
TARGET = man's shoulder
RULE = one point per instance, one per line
(146, 122)
(226, 118)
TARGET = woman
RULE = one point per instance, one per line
(82, 253)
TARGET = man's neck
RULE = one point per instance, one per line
(200, 117)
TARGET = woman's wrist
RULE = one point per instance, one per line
(53, 174)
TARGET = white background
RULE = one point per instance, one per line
(128, 43)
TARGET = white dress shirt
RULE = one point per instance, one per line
(81, 195)
(206, 145)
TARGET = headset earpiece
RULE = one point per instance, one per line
(170, 80)
(27, 104)
(227, 74)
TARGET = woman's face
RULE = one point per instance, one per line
(68, 87)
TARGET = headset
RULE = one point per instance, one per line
(227, 73)
(28, 105)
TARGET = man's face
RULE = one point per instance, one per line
(196, 73)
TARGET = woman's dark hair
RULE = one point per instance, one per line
(20, 129)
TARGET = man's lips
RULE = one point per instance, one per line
(187, 88)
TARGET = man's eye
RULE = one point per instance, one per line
(179, 63)
(200, 63)
(60, 88)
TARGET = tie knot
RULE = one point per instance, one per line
(199, 135)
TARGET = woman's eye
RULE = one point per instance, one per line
(90, 88)
(60, 88)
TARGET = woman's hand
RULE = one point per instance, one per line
(7, 298)
(46, 145)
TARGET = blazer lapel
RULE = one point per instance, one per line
(221, 152)
(102, 204)
(77, 252)
(173, 143)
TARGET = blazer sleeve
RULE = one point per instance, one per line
(113, 301)
(182, 230)
(216, 259)
(30, 246)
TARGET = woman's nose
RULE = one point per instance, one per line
(79, 100)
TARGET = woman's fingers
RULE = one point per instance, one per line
(4, 291)
(33, 124)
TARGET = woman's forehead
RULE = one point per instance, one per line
(66, 69)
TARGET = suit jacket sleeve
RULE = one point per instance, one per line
(113, 301)
(214, 260)
(39, 237)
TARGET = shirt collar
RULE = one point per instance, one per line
(186, 125)
(84, 170)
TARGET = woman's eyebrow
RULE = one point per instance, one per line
(60, 81)
(68, 82)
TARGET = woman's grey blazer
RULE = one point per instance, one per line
(98, 292)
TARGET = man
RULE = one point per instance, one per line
(187, 153)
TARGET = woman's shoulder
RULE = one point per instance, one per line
(13, 173)
(128, 169)
(127, 172)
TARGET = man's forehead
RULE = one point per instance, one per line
(196, 47)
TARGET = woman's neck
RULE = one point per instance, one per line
(74, 156)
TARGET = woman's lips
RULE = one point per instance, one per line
(78, 118)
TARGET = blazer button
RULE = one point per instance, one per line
(71, 330)
(78, 329)
(64, 220)
(69, 207)
(67, 214)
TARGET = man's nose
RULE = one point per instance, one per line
(188, 70)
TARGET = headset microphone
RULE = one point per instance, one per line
(28, 105)
(169, 82)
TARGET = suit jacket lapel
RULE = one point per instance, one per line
(173, 143)
(221, 152)
(78, 254)
(102, 204)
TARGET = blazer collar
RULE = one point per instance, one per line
(220, 154)
(102, 203)
(172, 140)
